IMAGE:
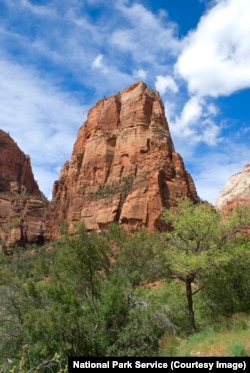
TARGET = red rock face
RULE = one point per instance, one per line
(21, 202)
(15, 170)
(123, 167)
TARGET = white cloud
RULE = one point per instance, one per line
(121, 38)
(196, 123)
(41, 118)
(189, 116)
(191, 111)
(85, 58)
(170, 110)
(146, 36)
(211, 133)
(164, 83)
(215, 58)
(98, 64)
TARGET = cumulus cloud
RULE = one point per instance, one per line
(164, 83)
(196, 123)
(215, 57)
(191, 111)
(189, 116)
(214, 62)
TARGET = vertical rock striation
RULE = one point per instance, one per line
(22, 205)
(123, 166)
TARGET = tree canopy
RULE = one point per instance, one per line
(199, 240)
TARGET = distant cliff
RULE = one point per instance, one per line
(123, 166)
(236, 191)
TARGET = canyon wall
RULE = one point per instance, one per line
(123, 167)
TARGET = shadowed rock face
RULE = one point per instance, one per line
(22, 205)
(15, 170)
(236, 191)
(123, 166)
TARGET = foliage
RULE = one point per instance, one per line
(200, 241)
(227, 291)
(14, 223)
(137, 258)
(123, 186)
(24, 364)
(119, 293)
(89, 304)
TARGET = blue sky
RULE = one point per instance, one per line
(58, 57)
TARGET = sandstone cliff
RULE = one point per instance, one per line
(123, 166)
(22, 205)
(236, 191)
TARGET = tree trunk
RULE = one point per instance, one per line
(189, 295)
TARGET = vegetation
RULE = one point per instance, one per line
(226, 337)
(120, 293)
(199, 242)
(123, 186)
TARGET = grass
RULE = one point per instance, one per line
(228, 337)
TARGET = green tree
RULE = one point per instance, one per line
(138, 257)
(200, 240)
(89, 304)
(87, 262)
(227, 288)
(109, 266)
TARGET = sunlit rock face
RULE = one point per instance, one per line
(123, 167)
(236, 191)
(22, 205)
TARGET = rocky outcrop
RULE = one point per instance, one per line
(123, 167)
(22, 205)
(236, 190)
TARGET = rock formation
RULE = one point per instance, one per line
(123, 167)
(22, 205)
(236, 191)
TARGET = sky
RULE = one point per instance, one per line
(59, 57)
